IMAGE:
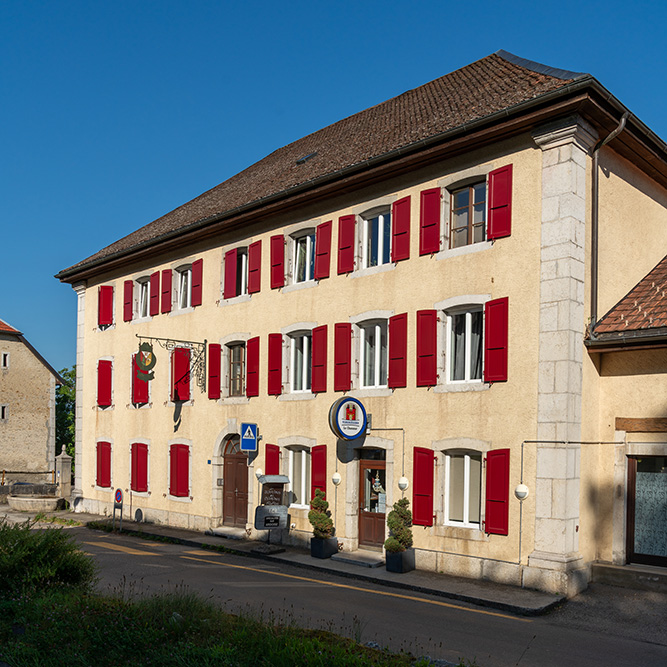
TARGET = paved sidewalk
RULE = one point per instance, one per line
(486, 593)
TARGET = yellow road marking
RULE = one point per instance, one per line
(119, 547)
(363, 590)
(199, 552)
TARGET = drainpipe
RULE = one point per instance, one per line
(594, 220)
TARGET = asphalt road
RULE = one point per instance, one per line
(606, 626)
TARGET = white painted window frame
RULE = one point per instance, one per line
(304, 452)
(184, 293)
(307, 237)
(450, 314)
(377, 351)
(365, 232)
(466, 523)
(307, 337)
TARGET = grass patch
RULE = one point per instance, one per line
(43, 518)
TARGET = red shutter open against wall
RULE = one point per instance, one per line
(400, 230)
(496, 520)
(275, 379)
(139, 474)
(180, 374)
(429, 221)
(346, 233)
(105, 306)
(318, 473)
(128, 300)
(422, 487)
(179, 470)
(104, 464)
(496, 321)
(166, 291)
(254, 267)
(342, 356)
(229, 290)
(398, 351)
(277, 261)
(197, 282)
(214, 364)
(104, 382)
(252, 367)
(319, 360)
(272, 460)
(500, 203)
(139, 384)
(427, 345)
(322, 250)
(155, 294)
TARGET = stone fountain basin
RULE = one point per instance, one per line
(34, 503)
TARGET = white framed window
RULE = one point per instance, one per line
(300, 362)
(298, 490)
(304, 258)
(463, 488)
(376, 240)
(4, 360)
(465, 345)
(184, 287)
(236, 353)
(144, 297)
(241, 271)
(4, 413)
(373, 354)
(468, 215)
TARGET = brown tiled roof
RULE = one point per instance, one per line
(487, 86)
(643, 308)
(5, 328)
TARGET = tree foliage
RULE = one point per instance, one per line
(320, 516)
(400, 525)
(65, 411)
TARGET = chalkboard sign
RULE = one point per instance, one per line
(272, 494)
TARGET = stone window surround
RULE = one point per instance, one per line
(286, 372)
(292, 442)
(357, 321)
(225, 343)
(291, 233)
(110, 488)
(241, 298)
(4, 360)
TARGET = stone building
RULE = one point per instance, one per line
(442, 259)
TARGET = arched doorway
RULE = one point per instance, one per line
(235, 484)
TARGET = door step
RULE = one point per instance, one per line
(360, 557)
(228, 532)
(643, 577)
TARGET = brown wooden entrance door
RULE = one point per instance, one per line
(372, 503)
(235, 485)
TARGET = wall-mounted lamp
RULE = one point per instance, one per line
(521, 492)
(403, 483)
(336, 478)
(258, 473)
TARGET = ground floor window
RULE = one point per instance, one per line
(299, 476)
(463, 488)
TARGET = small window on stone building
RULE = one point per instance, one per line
(4, 360)
(4, 413)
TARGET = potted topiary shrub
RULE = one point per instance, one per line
(400, 556)
(322, 544)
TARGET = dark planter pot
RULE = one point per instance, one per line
(400, 561)
(323, 547)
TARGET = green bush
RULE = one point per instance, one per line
(400, 526)
(320, 516)
(31, 560)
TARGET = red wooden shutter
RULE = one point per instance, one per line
(105, 306)
(128, 300)
(318, 472)
(104, 464)
(427, 344)
(277, 261)
(429, 221)
(497, 491)
(104, 382)
(319, 360)
(139, 384)
(500, 203)
(214, 363)
(254, 267)
(496, 319)
(346, 231)
(422, 487)
(400, 224)
(398, 350)
(272, 460)
(139, 476)
(179, 469)
(155, 294)
(342, 356)
(322, 250)
(252, 366)
(275, 380)
(180, 374)
(230, 274)
(166, 291)
(197, 282)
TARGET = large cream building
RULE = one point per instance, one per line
(442, 257)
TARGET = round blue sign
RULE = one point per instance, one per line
(347, 418)
(119, 497)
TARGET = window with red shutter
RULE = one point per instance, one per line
(465, 333)
(429, 221)
(180, 374)
(214, 366)
(322, 250)
(342, 356)
(496, 321)
(496, 520)
(398, 351)
(463, 484)
(319, 359)
(104, 382)
(422, 487)
(166, 291)
(272, 460)
(500, 203)
(139, 472)
(128, 300)
(400, 243)
(105, 306)
(139, 384)
(275, 377)
(179, 471)
(427, 343)
(254, 267)
(346, 235)
(318, 475)
(104, 464)
(197, 282)
(252, 366)
(376, 239)
(277, 261)
(229, 291)
(155, 294)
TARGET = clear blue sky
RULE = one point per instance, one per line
(114, 113)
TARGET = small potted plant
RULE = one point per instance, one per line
(400, 556)
(322, 544)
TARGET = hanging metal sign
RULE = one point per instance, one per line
(347, 418)
(145, 360)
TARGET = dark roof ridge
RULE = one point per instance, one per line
(534, 66)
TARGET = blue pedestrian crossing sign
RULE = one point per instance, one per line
(248, 437)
